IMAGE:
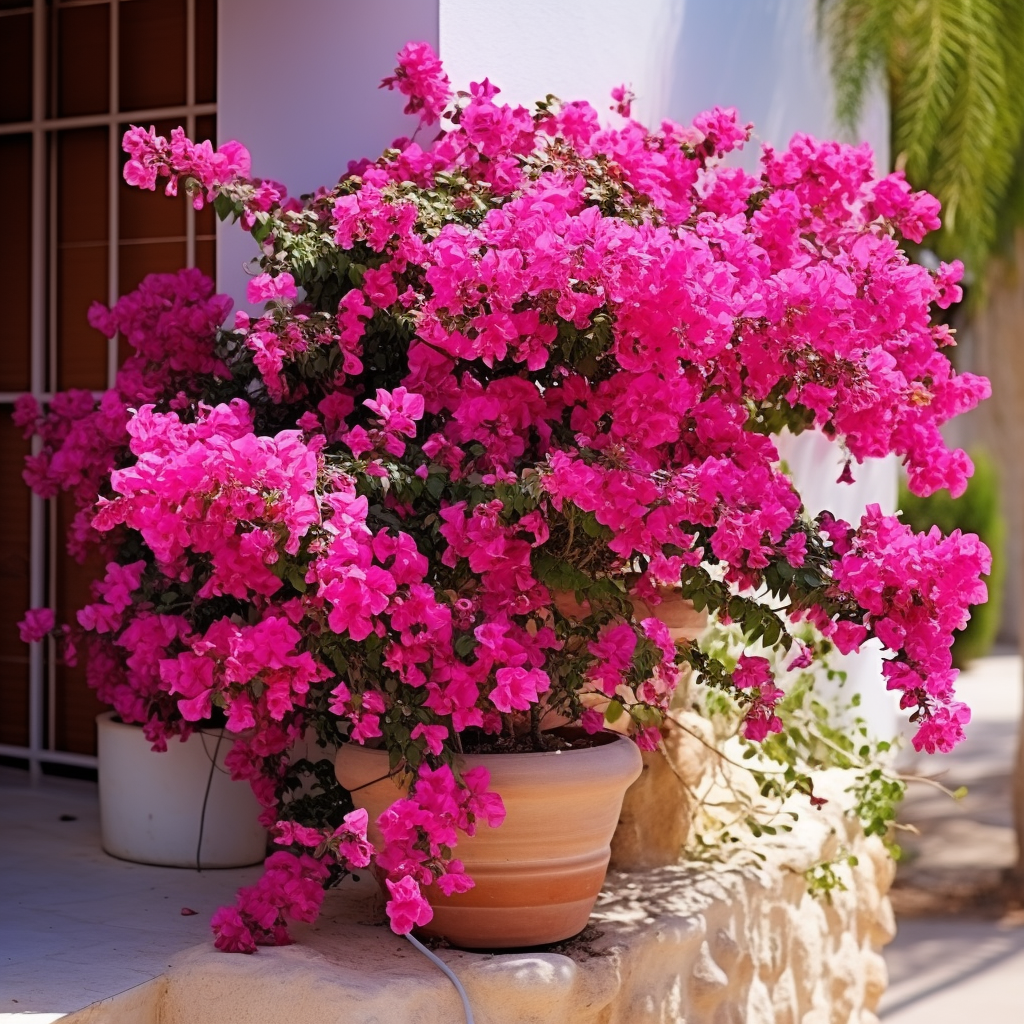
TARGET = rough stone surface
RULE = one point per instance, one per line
(655, 819)
(658, 810)
(701, 943)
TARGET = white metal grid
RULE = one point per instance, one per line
(43, 538)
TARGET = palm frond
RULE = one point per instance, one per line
(859, 34)
(955, 73)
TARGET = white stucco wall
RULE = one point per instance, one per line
(575, 49)
(297, 83)
(763, 57)
(298, 79)
(306, 116)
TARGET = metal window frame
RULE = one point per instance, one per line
(43, 539)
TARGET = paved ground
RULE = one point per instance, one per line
(948, 970)
(942, 970)
(60, 952)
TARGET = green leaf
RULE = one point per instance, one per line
(435, 485)
(262, 227)
(592, 528)
(465, 645)
(224, 206)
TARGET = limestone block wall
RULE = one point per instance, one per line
(709, 944)
(698, 942)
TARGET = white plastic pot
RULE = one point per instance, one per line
(151, 804)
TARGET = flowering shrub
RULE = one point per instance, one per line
(505, 386)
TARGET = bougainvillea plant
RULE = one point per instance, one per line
(507, 386)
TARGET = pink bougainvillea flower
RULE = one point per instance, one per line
(265, 288)
(530, 385)
(624, 99)
(518, 688)
(38, 622)
(420, 77)
(407, 908)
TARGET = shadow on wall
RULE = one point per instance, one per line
(304, 119)
(766, 59)
(932, 958)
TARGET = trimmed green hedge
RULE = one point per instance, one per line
(976, 511)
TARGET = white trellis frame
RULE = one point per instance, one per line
(43, 539)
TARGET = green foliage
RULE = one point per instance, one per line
(817, 734)
(824, 879)
(955, 76)
(976, 511)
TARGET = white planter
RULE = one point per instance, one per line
(151, 804)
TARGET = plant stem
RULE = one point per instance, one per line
(539, 743)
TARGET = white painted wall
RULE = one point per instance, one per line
(575, 49)
(297, 84)
(765, 58)
(680, 56)
(298, 79)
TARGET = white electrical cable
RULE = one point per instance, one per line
(447, 970)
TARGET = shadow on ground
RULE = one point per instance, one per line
(959, 951)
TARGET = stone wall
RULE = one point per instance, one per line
(748, 944)
(699, 942)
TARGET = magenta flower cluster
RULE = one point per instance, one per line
(506, 388)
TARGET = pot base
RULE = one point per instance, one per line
(486, 928)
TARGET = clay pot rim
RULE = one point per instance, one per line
(602, 758)
(603, 738)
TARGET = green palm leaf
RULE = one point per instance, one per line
(955, 74)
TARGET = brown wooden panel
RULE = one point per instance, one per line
(152, 53)
(82, 185)
(206, 127)
(16, 261)
(83, 59)
(14, 583)
(144, 214)
(206, 51)
(206, 222)
(206, 256)
(16, 68)
(76, 705)
(81, 351)
(138, 260)
(81, 255)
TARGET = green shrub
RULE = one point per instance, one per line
(976, 511)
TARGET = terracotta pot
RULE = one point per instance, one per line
(539, 874)
(566, 603)
(683, 620)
